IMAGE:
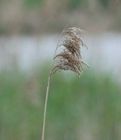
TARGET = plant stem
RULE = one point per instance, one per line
(45, 108)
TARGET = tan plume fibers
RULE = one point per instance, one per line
(68, 58)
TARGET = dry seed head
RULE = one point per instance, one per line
(70, 56)
(67, 59)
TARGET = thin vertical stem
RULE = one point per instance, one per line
(45, 109)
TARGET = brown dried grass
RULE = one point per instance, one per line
(69, 58)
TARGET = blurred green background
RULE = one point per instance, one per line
(85, 108)
(88, 108)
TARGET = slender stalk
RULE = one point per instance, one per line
(45, 108)
(69, 59)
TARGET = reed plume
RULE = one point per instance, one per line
(69, 58)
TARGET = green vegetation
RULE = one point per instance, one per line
(105, 3)
(33, 3)
(74, 4)
(89, 106)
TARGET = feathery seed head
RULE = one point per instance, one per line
(70, 56)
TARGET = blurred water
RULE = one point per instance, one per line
(24, 53)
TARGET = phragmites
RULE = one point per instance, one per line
(69, 58)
